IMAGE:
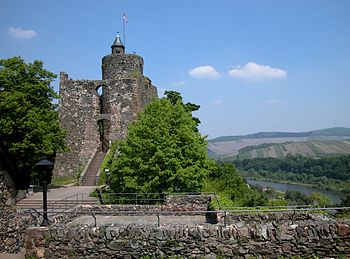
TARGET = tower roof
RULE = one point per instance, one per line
(118, 42)
(118, 46)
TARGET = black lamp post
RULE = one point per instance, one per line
(45, 166)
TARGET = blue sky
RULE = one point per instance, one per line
(252, 65)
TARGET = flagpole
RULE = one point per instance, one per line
(124, 31)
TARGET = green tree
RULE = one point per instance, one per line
(320, 200)
(231, 187)
(345, 202)
(163, 152)
(175, 97)
(29, 127)
(293, 197)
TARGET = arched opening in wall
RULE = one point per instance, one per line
(100, 90)
(103, 127)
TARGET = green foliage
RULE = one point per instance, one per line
(316, 199)
(29, 127)
(345, 202)
(107, 162)
(326, 172)
(296, 198)
(231, 187)
(163, 151)
(320, 200)
(175, 97)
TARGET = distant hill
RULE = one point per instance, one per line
(332, 141)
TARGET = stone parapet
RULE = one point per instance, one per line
(321, 239)
(115, 65)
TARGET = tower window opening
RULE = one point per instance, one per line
(100, 90)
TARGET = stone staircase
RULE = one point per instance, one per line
(90, 175)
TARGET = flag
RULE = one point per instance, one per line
(125, 19)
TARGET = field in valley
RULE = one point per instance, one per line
(327, 142)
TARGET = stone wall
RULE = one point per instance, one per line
(7, 187)
(207, 241)
(187, 202)
(288, 216)
(114, 65)
(93, 119)
(78, 113)
(12, 226)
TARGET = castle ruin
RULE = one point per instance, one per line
(96, 112)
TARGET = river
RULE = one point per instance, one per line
(283, 187)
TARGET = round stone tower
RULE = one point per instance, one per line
(119, 63)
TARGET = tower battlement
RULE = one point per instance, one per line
(114, 65)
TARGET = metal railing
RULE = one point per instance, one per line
(68, 203)
(224, 214)
(145, 198)
(132, 198)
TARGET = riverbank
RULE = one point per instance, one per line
(320, 183)
(335, 196)
(280, 181)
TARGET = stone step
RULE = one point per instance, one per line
(90, 175)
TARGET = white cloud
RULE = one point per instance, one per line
(19, 33)
(255, 71)
(274, 102)
(204, 72)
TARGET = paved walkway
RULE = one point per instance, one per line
(13, 256)
(144, 220)
(62, 192)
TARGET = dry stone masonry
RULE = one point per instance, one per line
(12, 226)
(264, 240)
(96, 112)
(263, 235)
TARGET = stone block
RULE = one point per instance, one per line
(343, 229)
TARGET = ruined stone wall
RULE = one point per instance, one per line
(270, 240)
(92, 121)
(122, 105)
(78, 114)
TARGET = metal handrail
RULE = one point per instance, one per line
(201, 211)
(164, 193)
(67, 200)
(262, 207)
(139, 197)
(160, 213)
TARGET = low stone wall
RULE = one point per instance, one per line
(207, 241)
(187, 202)
(288, 216)
(12, 226)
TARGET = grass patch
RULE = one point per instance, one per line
(59, 181)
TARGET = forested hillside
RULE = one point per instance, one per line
(327, 172)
